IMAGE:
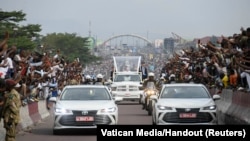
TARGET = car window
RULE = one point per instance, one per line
(184, 92)
(120, 78)
(85, 94)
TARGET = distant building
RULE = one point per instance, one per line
(205, 40)
(169, 45)
(158, 43)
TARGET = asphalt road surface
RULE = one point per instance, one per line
(130, 113)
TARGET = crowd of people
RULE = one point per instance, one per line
(29, 76)
(224, 64)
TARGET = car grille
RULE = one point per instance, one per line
(70, 120)
(129, 88)
(201, 117)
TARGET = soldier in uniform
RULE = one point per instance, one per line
(2, 95)
(11, 110)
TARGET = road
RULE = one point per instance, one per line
(129, 113)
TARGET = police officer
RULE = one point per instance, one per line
(99, 80)
(87, 80)
(11, 110)
(151, 78)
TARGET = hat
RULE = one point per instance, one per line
(10, 82)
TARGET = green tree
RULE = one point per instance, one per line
(71, 47)
(20, 36)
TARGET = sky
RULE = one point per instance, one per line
(152, 19)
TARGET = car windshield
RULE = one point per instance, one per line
(85, 94)
(121, 78)
(184, 92)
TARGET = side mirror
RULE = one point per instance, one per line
(216, 97)
(53, 99)
(117, 99)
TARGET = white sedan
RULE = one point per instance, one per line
(84, 106)
(184, 103)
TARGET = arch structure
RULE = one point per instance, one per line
(131, 35)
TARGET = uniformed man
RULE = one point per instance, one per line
(2, 95)
(99, 79)
(151, 78)
(11, 110)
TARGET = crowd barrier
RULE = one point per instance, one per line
(233, 107)
(31, 114)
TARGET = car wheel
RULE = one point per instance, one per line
(56, 132)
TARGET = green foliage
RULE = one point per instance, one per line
(20, 36)
(71, 47)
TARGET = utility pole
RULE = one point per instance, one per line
(89, 28)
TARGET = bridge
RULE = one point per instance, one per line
(106, 42)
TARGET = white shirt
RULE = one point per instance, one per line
(10, 62)
(4, 70)
(55, 69)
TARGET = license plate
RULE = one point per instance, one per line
(187, 115)
(84, 118)
(127, 94)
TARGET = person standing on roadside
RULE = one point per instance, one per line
(143, 69)
(11, 110)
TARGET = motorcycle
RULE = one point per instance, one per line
(150, 94)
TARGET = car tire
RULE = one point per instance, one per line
(56, 132)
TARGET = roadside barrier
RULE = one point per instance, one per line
(234, 107)
(33, 113)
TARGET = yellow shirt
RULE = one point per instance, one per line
(225, 81)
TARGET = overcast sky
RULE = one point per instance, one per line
(153, 19)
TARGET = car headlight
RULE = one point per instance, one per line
(160, 107)
(108, 110)
(213, 107)
(63, 111)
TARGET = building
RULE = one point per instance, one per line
(169, 45)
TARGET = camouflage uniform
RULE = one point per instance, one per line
(11, 114)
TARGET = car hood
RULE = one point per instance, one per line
(186, 103)
(86, 105)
